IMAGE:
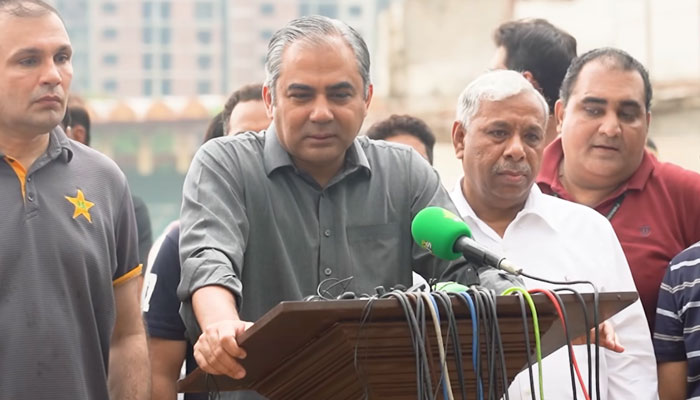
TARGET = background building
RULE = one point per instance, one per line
(154, 48)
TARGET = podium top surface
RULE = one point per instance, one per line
(289, 327)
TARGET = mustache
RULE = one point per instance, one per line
(520, 168)
(606, 142)
(58, 92)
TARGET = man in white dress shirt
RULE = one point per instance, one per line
(499, 137)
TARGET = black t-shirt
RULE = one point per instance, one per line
(163, 317)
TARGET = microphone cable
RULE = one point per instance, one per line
(491, 295)
(485, 301)
(536, 329)
(424, 382)
(484, 323)
(596, 301)
(573, 364)
(586, 323)
(475, 342)
(446, 301)
(213, 393)
(366, 312)
(444, 374)
(325, 294)
(528, 347)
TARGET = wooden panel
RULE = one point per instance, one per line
(307, 349)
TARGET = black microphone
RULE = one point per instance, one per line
(473, 251)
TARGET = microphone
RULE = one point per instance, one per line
(447, 236)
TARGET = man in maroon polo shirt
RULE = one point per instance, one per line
(603, 117)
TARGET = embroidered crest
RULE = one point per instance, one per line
(82, 206)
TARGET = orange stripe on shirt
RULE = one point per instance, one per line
(126, 277)
(20, 171)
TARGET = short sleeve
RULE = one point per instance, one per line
(668, 338)
(127, 251)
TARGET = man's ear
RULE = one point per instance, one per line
(370, 92)
(78, 133)
(530, 78)
(267, 99)
(458, 133)
(559, 114)
(648, 119)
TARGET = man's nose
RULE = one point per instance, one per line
(51, 75)
(321, 110)
(610, 125)
(515, 148)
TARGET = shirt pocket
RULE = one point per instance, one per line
(375, 252)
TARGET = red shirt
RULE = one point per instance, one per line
(658, 217)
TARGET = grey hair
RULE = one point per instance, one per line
(314, 29)
(494, 86)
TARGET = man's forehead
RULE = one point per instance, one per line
(302, 59)
(495, 109)
(33, 32)
(595, 78)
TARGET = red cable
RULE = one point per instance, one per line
(554, 301)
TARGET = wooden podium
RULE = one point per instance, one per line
(304, 350)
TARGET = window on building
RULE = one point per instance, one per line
(265, 35)
(166, 61)
(165, 10)
(147, 61)
(147, 10)
(110, 85)
(355, 11)
(204, 61)
(204, 37)
(203, 10)
(328, 10)
(147, 35)
(166, 87)
(165, 36)
(109, 8)
(110, 59)
(109, 33)
(148, 87)
(267, 9)
(203, 87)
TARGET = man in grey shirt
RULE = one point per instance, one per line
(270, 216)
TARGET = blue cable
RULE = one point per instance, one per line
(475, 341)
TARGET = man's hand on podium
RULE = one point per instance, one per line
(607, 336)
(217, 351)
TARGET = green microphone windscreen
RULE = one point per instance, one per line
(436, 230)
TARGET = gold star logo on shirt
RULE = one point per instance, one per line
(81, 205)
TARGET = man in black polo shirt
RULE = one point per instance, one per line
(71, 323)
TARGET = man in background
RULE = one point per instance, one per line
(498, 136)
(407, 130)
(676, 333)
(603, 117)
(245, 111)
(68, 252)
(541, 52)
